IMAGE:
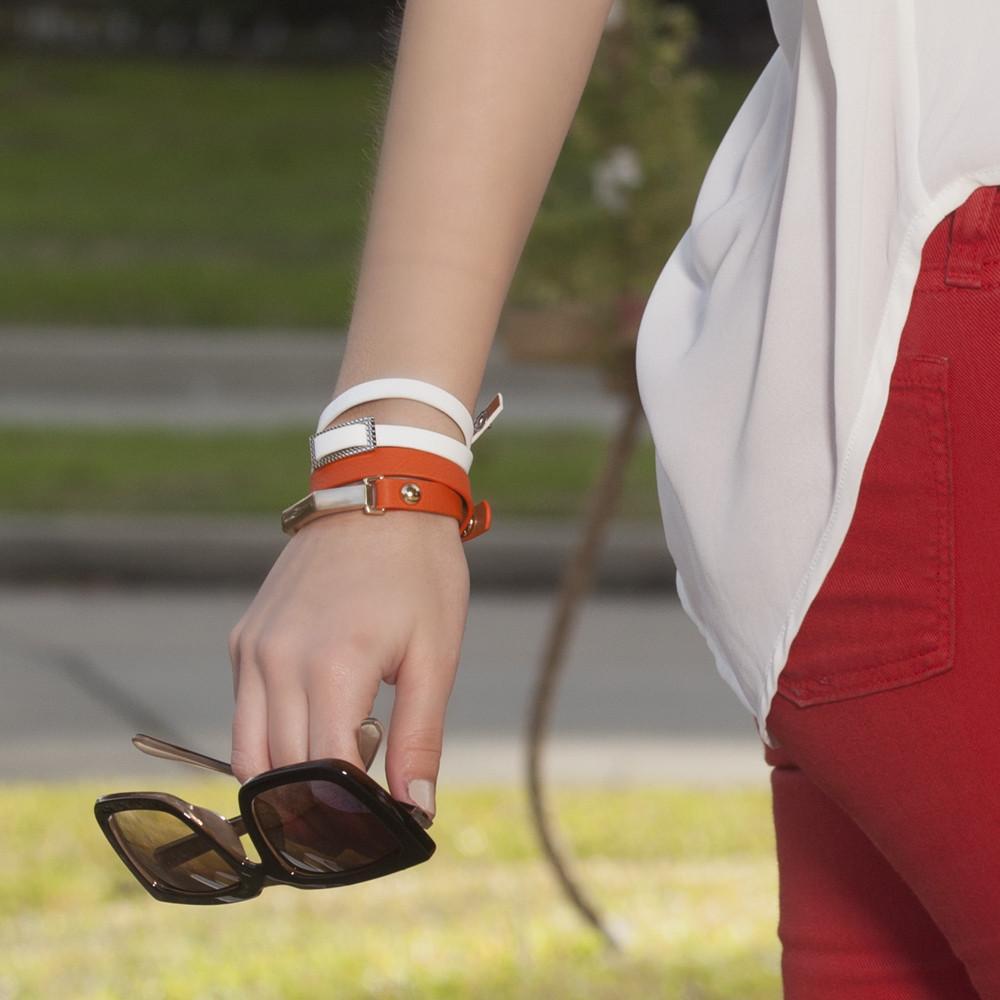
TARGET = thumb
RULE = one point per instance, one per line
(416, 731)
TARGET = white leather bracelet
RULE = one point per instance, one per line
(401, 388)
(363, 434)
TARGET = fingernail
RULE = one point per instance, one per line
(422, 792)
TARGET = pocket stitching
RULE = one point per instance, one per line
(920, 662)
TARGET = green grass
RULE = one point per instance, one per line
(689, 875)
(181, 193)
(212, 195)
(521, 473)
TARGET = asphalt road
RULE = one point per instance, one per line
(82, 669)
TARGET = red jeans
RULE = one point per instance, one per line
(886, 787)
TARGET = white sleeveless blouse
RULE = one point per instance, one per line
(768, 340)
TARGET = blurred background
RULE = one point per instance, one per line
(183, 190)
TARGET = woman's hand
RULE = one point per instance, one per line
(482, 98)
(352, 600)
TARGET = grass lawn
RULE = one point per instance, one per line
(521, 472)
(688, 876)
(157, 193)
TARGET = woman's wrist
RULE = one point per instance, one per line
(417, 462)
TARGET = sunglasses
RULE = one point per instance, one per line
(315, 824)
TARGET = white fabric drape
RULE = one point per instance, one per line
(767, 343)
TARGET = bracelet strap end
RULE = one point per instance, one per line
(293, 517)
(486, 416)
(479, 523)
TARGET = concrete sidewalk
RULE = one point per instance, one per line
(190, 378)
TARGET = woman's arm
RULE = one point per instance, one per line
(482, 98)
(483, 95)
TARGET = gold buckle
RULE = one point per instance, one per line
(370, 507)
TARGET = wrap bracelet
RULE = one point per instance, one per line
(351, 470)
(378, 493)
(387, 459)
(418, 464)
(363, 434)
(419, 488)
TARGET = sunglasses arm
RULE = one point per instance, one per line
(171, 751)
(369, 738)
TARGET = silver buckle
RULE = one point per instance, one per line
(369, 445)
(370, 507)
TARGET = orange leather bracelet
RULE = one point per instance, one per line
(440, 485)
(379, 493)
(388, 459)
(415, 493)
(418, 464)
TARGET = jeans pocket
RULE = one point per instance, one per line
(884, 615)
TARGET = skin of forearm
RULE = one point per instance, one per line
(483, 93)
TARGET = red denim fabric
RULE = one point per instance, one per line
(886, 786)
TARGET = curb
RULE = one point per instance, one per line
(213, 550)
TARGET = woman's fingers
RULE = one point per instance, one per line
(250, 753)
(416, 730)
(289, 712)
(342, 691)
(287, 721)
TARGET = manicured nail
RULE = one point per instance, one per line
(422, 792)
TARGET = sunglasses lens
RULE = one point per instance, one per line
(168, 851)
(316, 827)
